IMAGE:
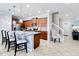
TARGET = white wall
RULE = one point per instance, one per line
(39, 16)
(5, 22)
(66, 24)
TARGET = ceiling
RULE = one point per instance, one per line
(32, 9)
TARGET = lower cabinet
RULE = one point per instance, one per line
(36, 40)
(33, 41)
(43, 35)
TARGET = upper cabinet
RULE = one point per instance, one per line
(40, 22)
(27, 23)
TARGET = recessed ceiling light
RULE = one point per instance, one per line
(67, 15)
(47, 10)
(27, 5)
(39, 11)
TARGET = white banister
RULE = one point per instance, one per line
(59, 29)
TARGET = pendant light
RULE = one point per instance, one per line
(9, 11)
(13, 21)
(20, 13)
(14, 14)
(14, 10)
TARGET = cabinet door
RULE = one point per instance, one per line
(34, 20)
(44, 35)
(45, 22)
(42, 22)
(38, 22)
(28, 23)
(36, 40)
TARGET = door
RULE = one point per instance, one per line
(67, 28)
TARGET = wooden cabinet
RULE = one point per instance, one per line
(27, 23)
(42, 22)
(34, 20)
(43, 35)
(36, 40)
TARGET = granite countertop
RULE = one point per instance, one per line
(28, 32)
(31, 32)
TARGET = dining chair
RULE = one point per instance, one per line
(10, 39)
(19, 42)
(3, 33)
(6, 39)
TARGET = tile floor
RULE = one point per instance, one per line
(67, 48)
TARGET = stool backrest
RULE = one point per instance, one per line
(3, 32)
(10, 35)
(18, 36)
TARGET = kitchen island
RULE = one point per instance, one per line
(33, 39)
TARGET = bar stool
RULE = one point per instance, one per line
(3, 36)
(19, 41)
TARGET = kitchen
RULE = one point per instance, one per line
(38, 26)
(34, 28)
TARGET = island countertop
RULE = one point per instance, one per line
(28, 32)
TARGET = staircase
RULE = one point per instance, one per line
(57, 33)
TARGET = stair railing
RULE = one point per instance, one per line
(60, 30)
